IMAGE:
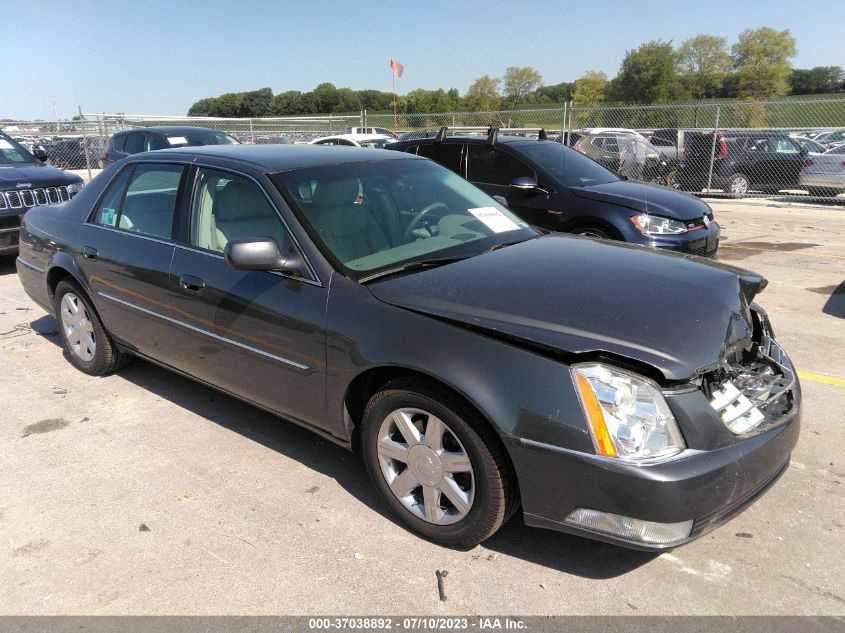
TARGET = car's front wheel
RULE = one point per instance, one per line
(437, 464)
(592, 231)
(88, 345)
(738, 185)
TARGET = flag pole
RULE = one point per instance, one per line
(395, 122)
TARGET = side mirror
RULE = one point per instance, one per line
(261, 253)
(40, 153)
(524, 183)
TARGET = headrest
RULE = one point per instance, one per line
(336, 193)
(240, 200)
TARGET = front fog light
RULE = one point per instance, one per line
(631, 529)
(628, 416)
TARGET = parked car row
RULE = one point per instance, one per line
(483, 369)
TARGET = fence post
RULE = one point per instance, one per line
(713, 148)
(563, 122)
(86, 147)
(251, 133)
(569, 124)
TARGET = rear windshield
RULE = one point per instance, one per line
(567, 166)
(176, 139)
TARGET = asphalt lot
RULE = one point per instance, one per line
(246, 514)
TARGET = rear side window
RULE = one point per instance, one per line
(491, 165)
(154, 141)
(150, 200)
(447, 154)
(109, 205)
(134, 143)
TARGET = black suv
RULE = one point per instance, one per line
(555, 188)
(743, 160)
(26, 182)
(130, 142)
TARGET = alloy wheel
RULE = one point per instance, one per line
(426, 466)
(739, 185)
(78, 329)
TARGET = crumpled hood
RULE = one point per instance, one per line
(646, 198)
(676, 313)
(36, 175)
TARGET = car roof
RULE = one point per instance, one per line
(173, 129)
(356, 137)
(282, 157)
(474, 140)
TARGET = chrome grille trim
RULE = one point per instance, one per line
(27, 198)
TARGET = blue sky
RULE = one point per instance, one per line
(158, 57)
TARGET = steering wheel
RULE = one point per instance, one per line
(420, 215)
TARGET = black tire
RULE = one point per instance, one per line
(496, 497)
(106, 357)
(591, 230)
(735, 187)
(822, 192)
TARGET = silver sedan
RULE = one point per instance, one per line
(825, 174)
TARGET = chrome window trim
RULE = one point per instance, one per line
(261, 352)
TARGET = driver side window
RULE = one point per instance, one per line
(229, 207)
(493, 166)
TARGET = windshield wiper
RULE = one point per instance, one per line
(415, 265)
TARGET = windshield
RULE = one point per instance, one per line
(200, 138)
(567, 166)
(377, 215)
(11, 153)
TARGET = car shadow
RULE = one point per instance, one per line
(562, 552)
(835, 304)
(7, 265)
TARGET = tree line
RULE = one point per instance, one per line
(756, 67)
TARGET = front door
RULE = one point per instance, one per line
(258, 334)
(492, 169)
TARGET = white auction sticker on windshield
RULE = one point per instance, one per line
(4, 144)
(494, 219)
(177, 140)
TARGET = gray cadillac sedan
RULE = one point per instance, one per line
(380, 300)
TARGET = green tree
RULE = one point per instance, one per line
(326, 97)
(202, 107)
(256, 103)
(556, 93)
(590, 89)
(286, 103)
(818, 80)
(703, 63)
(761, 59)
(483, 94)
(648, 74)
(518, 83)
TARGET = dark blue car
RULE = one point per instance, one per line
(558, 189)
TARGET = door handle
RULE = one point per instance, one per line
(191, 284)
(89, 252)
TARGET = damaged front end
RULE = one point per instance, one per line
(754, 388)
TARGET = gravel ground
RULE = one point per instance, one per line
(145, 493)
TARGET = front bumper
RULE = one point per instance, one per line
(702, 242)
(708, 487)
(10, 224)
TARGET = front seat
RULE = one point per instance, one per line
(241, 211)
(343, 222)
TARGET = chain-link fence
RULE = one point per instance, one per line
(733, 148)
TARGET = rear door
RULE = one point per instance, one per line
(127, 248)
(258, 334)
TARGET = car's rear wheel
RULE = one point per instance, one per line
(592, 231)
(436, 463)
(88, 345)
(738, 185)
